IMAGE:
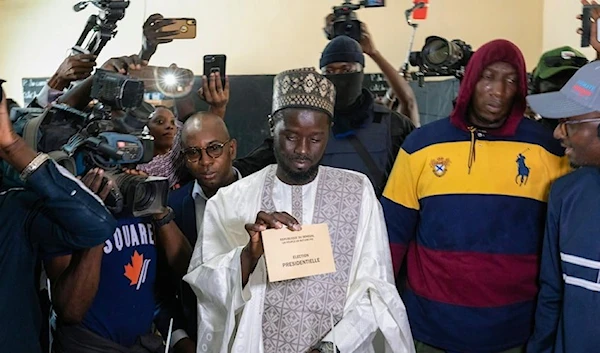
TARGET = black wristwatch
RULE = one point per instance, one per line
(166, 219)
(326, 347)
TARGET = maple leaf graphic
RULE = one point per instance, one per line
(134, 269)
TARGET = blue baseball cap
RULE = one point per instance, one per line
(581, 95)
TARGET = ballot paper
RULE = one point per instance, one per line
(296, 254)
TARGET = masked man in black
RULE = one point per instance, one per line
(366, 135)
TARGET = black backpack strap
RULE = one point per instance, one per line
(377, 173)
(400, 126)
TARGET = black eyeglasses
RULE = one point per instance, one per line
(557, 61)
(215, 150)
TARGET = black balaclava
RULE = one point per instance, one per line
(348, 85)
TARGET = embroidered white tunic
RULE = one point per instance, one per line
(357, 300)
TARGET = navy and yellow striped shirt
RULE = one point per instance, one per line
(468, 210)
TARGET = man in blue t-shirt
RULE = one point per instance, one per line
(113, 296)
(105, 297)
(567, 312)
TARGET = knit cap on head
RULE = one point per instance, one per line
(342, 49)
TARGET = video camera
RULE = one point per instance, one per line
(345, 22)
(109, 141)
(103, 25)
(440, 57)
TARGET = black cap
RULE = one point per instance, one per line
(342, 49)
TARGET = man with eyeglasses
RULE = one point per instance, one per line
(567, 311)
(554, 69)
(208, 152)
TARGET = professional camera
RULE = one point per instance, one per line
(117, 91)
(110, 141)
(440, 57)
(103, 25)
(345, 22)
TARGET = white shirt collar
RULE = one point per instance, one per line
(198, 192)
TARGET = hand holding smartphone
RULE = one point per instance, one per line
(215, 63)
(185, 28)
(590, 12)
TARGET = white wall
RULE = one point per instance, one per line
(560, 26)
(258, 36)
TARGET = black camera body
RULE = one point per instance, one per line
(117, 91)
(440, 57)
(108, 142)
(345, 21)
(102, 145)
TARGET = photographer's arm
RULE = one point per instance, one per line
(74, 280)
(74, 68)
(78, 97)
(212, 92)
(75, 277)
(398, 84)
(153, 35)
(175, 245)
(61, 193)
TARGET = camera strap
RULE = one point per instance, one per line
(63, 159)
(31, 130)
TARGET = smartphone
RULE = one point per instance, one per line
(215, 63)
(170, 81)
(420, 13)
(186, 28)
(586, 24)
(374, 3)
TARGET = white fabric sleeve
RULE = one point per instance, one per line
(215, 274)
(43, 98)
(373, 301)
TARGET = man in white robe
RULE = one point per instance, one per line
(239, 310)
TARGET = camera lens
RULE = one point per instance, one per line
(144, 196)
(438, 52)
